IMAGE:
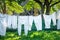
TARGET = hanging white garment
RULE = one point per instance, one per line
(6, 23)
(3, 25)
(9, 21)
(58, 17)
(47, 19)
(53, 17)
(30, 22)
(23, 20)
(14, 22)
(38, 22)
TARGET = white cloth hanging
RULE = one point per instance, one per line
(53, 17)
(38, 22)
(47, 19)
(6, 19)
(3, 25)
(14, 22)
(9, 21)
(58, 18)
(23, 20)
(30, 22)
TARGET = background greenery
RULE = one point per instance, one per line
(15, 6)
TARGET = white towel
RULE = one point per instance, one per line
(23, 20)
(47, 19)
(58, 24)
(9, 21)
(38, 22)
(14, 22)
(53, 17)
(2, 25)
(30, 22)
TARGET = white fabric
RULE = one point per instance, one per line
(47, 19)
(30, 22)
(23, 20)
(3, 25)
(58, 24)
(14, 22)
(6, 23)
(53, 17)
(9, 21)
(58, 17)
(38, 22)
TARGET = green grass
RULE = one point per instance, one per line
(32, 35)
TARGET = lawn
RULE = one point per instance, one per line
(32, 35)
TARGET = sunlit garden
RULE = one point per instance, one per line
(29, 19)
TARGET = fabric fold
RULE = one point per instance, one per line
(53, 17)
(9, 21)
(47, 19)
(14, 22)
(30, 22)
(38, 22)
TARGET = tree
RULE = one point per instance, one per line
(46, 4)
(10, 6)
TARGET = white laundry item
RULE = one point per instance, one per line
(2, 25)
(23, 20)
(58, 24)
(47, 19)
(38, 22)
(9, 21)
(14, 22)
(30, 22)
(6, 20)
(58, 18)
(53, 17)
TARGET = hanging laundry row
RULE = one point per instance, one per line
(17, 21)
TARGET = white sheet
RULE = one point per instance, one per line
(47, 19)
(2, 25)
(23, 20)
(38, 22)
(9, 21)
(14, 22)
(30, 22)
(53, 17)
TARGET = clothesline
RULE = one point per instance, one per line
(16, 22)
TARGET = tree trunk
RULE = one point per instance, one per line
(47, 7)
(4, 8)
(47, 10)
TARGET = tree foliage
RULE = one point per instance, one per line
(18, 6)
